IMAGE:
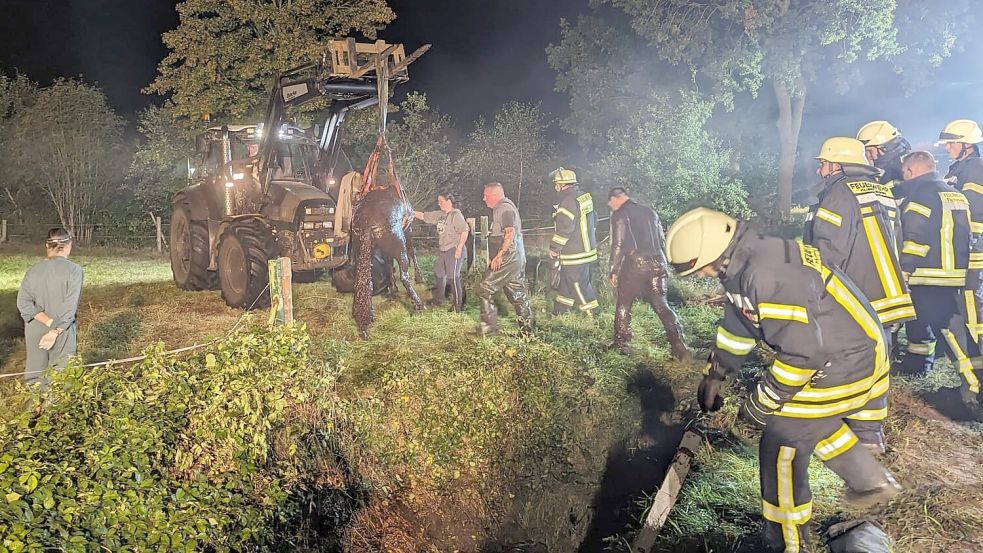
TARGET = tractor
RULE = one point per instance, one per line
(273, 189)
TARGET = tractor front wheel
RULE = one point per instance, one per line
(244, 251)
(189, 252)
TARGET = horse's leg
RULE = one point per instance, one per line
(411, 252)
(404, 276)
(362, 309)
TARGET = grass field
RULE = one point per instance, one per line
(431, 445)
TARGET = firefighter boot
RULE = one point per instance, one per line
(439, 292)
(622, 330)
(880, 495)
(489, 318)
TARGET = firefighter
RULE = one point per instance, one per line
(574, 244)
(639, 271)
(831, 361)
(884, 147)
(853, 227)
(962, 139)
(935, 255)
(508, 265)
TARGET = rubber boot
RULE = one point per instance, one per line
(439, 292)
(489, 318)
(523, 313)
(622, 330)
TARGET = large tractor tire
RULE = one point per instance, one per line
(189, 252)
(343, 279)
(244, 251)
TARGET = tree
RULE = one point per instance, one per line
(160, 164)
(740, 45)
(16, 94)
(68, 143)
(687, 167)
(514, 150)
(225, 53)
(422, 149)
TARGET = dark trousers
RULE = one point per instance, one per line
(942, 313)
(645, 279)
(787, 445)
(575, 290)
(510, 278)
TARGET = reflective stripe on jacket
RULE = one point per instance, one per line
(853, 226)
(574, 239)
(830, 355)
(966, 176)
(935, 223)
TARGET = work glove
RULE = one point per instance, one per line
(754, 413)
(708, 394)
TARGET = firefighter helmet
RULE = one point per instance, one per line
(877, 133)
(841, 149)
(965, 131)
(698, 238)
(563, 176)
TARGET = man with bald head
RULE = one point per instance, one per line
(507, 270)
(935, 223)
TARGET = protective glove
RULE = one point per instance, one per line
(708, 393)
(754, 413)
(48, 340)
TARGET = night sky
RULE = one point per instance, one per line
(485, 53)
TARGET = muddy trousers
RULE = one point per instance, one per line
(575, 290)
(943, 312)
(510, 278)
(786, 448)
(645, 279)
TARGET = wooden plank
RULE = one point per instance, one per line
(485, 232)
(281, 292)
(3, 231)
(666, 497)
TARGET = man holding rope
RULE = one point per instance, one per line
(48, 300)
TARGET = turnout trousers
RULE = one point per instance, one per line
(943, 312)
(645, 279)
(575, 290)
(786, 448)
(510, 278)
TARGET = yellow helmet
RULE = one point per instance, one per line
(698, 238)
(842, 149)
(563, 176)
(966, 131)
(877, 133)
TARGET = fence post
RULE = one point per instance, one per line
(160, 235)
(485, 232)
(3, 231)
(281, 292)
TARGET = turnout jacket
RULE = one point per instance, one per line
(574, 238)
(966, 176)
(853, 226)
(636, 232)
(935, 224)
(830, 355)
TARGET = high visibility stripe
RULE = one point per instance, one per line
(817, 411)
(972, 320)
(564, 211)
(829, 216)
(894, 315)
(888, 303)
(882, 258)
(963, 364)
(977, 363)
(738, 345)
(590, 305)
(958, 278)
(586, 203)
(975, 227)
(976, 256)
(767, 397)
(579, 255)
(925, 349)
(869, 415)
(569, 302)
(783, 312)
(786, 498)
(837, 444)
(790, 375)
(972, 187)
(914, 248)
(561, 240)
(948, 255)
(580, 294)
(578, 259)
(833, 393)
(798, 515)
(918, 208)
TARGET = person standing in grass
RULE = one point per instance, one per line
(452, 237)
(48, 300)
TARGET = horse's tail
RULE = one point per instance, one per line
(362, 304)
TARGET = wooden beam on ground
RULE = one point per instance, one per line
(281, 292)
(665, 498)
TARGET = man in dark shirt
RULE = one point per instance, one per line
(639, 271)
(508, 264)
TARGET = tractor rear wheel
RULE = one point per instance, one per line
(244, 251)
(189, 252)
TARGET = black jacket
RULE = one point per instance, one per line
(636, 232)
(935, 223)
(853, 225)
(830, 354)
(966, 176)
(575, 221)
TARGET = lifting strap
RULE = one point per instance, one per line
(369, 180)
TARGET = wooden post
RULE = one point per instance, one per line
(485, 233)
(281, 292)
(3, 231)
(473, 225)
(160, 235)
(665, 498)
